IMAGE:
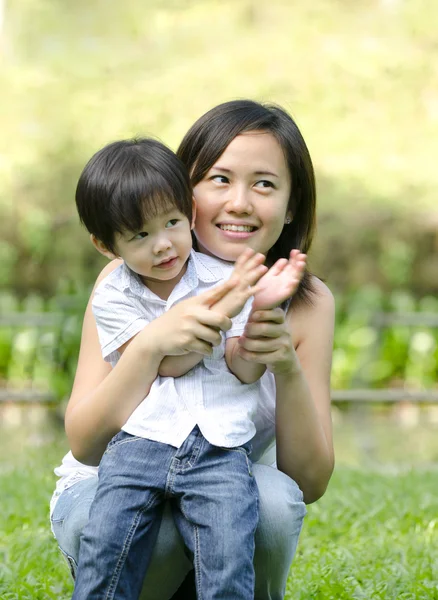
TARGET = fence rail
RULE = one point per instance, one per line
(38, 354)
(385, 396)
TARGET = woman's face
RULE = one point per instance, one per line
(243, 199)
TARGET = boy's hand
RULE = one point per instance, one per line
(280, 282)
(248, 269)
(189, 326)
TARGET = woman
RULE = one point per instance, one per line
(254, 185)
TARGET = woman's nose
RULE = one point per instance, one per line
(239, 201)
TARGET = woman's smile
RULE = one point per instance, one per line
(237, 231)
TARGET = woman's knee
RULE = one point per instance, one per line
(281, 515)
(71, 514)
(281, 505)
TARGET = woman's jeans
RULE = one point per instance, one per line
(281, 514)
(215, 498)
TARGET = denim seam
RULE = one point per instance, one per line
(197, 446)
(242, 451)
(171, 477)
(196, 558)
(194, 456)
(126, 546)
(197, 561)
(121, 442)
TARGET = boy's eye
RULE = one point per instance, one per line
(220, 179)
(172, 222)
(141, 235)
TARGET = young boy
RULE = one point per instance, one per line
(189, 440)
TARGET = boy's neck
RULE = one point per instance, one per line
(163, 289)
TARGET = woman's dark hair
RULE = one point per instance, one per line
(129, 182)
(209, 137)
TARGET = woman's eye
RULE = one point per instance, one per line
(219, 179)
(172, 222)
(141, 235)
(264, 184)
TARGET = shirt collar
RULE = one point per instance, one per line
(207, 269)
(199, 268)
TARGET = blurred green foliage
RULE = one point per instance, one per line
(359, 77)
(368, 355)
(41, 353)
(39, 347)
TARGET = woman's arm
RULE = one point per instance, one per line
(246, 371)
(102, 398)
(299, 354)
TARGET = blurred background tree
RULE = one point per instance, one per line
(360, 78)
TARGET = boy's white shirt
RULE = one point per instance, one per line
(208, 395)
(227, 412)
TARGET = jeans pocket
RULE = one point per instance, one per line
(248, 462)
(121, 438)
(114, 440)
(244, 450)
(247, 447)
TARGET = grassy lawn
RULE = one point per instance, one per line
(373, 535)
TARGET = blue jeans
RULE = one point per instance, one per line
(215, 498)
(281, 514)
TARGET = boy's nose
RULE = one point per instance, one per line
(162, 244)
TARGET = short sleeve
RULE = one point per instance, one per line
(119, 318)
(239, 321)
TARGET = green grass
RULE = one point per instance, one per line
(373, 535)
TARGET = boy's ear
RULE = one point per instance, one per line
(100, 247)
(192, 224)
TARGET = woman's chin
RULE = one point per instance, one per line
(227, 250)
(226, 254)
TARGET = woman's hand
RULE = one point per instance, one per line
(280, 282)
(268, 340)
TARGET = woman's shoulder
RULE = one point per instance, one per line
(322, 296)
(315, 313)
(107, 270)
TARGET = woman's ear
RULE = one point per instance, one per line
(100, 247)
(289, 218)
(192, 224)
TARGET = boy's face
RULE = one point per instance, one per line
(159, 251)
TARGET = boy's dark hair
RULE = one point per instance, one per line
(129, 182)
(209, 137)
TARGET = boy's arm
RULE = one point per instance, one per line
(173, 366)
(247, 372)
(176, 366)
